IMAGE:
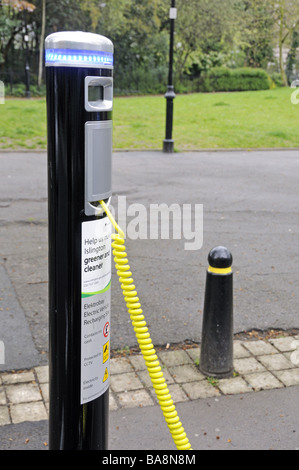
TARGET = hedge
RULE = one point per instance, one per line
(242, 79)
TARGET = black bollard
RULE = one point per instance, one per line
(216, 357)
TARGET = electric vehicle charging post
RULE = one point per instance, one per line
(79, 78)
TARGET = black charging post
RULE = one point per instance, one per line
(79, 77)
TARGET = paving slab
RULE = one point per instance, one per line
(200, 401)
(131, 386)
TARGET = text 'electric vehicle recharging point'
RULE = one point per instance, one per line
(79, 77)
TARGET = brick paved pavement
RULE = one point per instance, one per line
(261, 364)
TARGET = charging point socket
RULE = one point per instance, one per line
(98, 94)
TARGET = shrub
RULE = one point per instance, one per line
(19, 90)
(242, 79)
(276, 78)
(141, 79)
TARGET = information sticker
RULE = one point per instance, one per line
(95, 308)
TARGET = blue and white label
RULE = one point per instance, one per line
(95, 308)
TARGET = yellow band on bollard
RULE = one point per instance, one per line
(220, 270)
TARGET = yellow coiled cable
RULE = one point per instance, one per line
(143, 337)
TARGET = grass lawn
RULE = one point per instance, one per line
(216, 120)
(23, 124)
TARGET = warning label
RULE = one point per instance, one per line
(106, 375)
(95, 308)
(106, 352)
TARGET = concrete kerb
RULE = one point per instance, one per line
(259, 364)
(201, 150)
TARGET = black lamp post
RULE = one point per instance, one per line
(27, 67)
(27, 71)
(168, 143)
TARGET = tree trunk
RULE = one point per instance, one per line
(281, 43)
(41, 45)
(281, 66)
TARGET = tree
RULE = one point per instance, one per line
(41, 44)
(257, 24)
(50, 17)
(140, 43)
(11, 23)
(19, 5)
(204, 27)
(286, 16)
(291, 60)
(65, 15)
(93, 8)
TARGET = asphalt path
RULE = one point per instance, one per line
(250, 205)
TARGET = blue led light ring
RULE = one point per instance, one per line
(73, 57)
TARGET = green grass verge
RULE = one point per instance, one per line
(256, 119)
(23, 124)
